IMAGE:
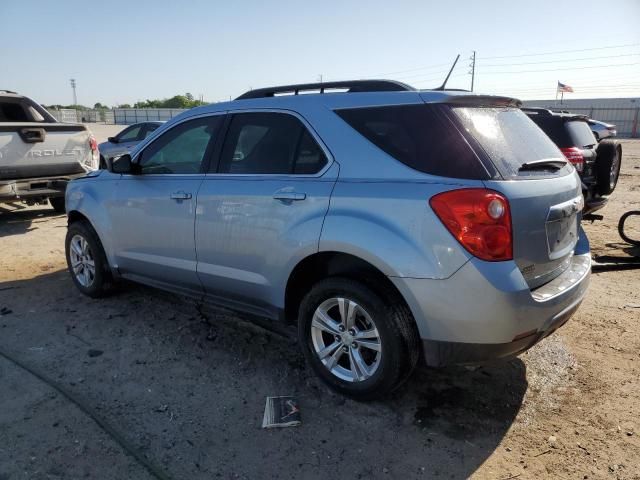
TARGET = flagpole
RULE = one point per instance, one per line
(561, 96)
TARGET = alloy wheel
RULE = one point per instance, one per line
(82, 261)
(345, 339)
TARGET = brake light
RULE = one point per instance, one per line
(93, 144)
(479, 219)
(574, 155)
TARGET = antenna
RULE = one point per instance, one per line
(444, 84)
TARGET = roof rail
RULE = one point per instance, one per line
(8, 91)
(350, 85)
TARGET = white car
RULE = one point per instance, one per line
(602, 130)
(38, 154)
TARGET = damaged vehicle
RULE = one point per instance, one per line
(391, 225)
(38, 154)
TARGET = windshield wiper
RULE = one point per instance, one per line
(555, 163)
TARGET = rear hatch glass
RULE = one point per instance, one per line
(545, 211)
(580, 133)
(510, 139)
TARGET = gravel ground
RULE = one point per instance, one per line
(186, 386)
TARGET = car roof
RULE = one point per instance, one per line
(545, 112)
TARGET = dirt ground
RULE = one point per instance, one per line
(186, 386)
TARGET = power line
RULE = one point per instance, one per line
(561, 61)
(570, 68)
(562, 51)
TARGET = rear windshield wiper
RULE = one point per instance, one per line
(554, 163)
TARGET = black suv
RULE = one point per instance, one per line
(597, 163)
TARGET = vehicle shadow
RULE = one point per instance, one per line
(187, 386)
(17, 218)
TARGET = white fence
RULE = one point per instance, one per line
(127, 116)
(118, 116)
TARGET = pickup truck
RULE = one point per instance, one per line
(38, 154)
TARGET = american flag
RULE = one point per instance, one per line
(564, 88)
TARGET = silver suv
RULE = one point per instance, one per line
(390, 224)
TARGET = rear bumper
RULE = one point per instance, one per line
(487, 311)
(42, 187)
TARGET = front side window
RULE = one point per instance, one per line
(182, 149)
(270, 143)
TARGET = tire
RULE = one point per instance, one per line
(58, 204)
(621, 222)
(366, 358)
(96, 282)
(608, 165)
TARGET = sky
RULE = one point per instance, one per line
(126, 51)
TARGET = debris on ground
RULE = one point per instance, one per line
(281, 412)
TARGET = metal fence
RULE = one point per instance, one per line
(626, 119)
(117, 116)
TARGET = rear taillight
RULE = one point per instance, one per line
(574, 155)
(93, 144)
(479, 219)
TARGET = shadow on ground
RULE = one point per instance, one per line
(16, 218)
(188, 387)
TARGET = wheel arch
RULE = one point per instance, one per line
(320, 265)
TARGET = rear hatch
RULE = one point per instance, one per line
(33, 145)
(543, 189)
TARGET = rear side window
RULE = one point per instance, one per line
(580, 133)
(420, 136)
(270, 143)
(508, 137)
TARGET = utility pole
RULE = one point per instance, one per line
(320, 78)
(73, 86)
(472, 65)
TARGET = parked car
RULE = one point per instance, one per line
(602, 130)
(388, 223)
(598, 163)
(124, 141)
(38, 154)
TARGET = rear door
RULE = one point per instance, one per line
(545, 201)
(262, 209)
(153, 211)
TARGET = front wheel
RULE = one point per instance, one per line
(359, 343)
(86, 260)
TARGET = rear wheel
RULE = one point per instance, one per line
(359, 343)
(86, 260)
(608, 166)
(58, 204)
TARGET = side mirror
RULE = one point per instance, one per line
(121, 164)
(113, 140)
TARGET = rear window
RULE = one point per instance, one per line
(508, 136)
(580, 133)
(13, 112)
(565, 133)
(420, 136)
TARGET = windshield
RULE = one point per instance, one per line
(508, 137)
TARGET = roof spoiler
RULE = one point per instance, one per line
(482, 101)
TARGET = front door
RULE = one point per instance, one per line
(153, 210)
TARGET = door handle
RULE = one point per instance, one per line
(289, 196)
(180, 195)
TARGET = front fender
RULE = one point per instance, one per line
(89, 197)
